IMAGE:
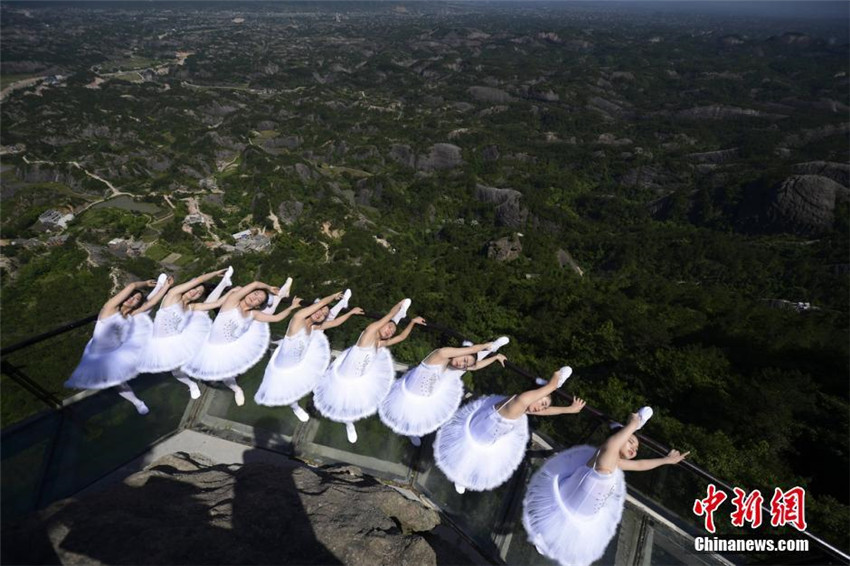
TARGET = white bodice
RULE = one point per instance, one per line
(111, 332)
(170, 320)
(586, 491)
(487, 425)
(229, 325)
(423, 379)
(357, 361)
(293, 349)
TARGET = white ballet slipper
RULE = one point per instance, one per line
(239, 396)
(460, 489)
(142, 408)
(160, 283)
(402, 313)
(343, 302)
(498, 343)
(194, 391)
(415, 440)
(540, 381)
(644, 414)
(301, 414)
(228, 276)
(351, 432)
(287, 286)
(466, 343)
(564, 374)
(282, 294)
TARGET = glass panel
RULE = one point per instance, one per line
(103, 431)
(49, 364)
(24, 452)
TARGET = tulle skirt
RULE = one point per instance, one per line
(284, 386)
(416, 415)
(343, 398)
(220, 361)
(103, 369)
(168, 353)
(477, 466)
(560, 534)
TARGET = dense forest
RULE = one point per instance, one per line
(660, 203)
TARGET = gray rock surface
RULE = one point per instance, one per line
(441, 156)
(838, 172)
(508, 248)
(509, 210)
(489, 94)
(185, 509)
(289, 211)
(804, 204)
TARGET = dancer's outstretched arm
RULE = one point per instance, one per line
(673, 457)
(487, 361)
(402, 336)
(215, 304)
(575, 407)
(153, 300)
(263, 317)
(177, 290)
(114, 304)
(340, 319)
(443, 355)
(299, 319)
(517, 406)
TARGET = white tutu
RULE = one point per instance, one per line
(177, 337)
(476, 465)
(284, 386)
(234, 345)
(111, 356)
(411, 414)
(560, 533)
(343, 397)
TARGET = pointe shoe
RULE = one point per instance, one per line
(343, 302)
(239, 396)
(460, 489)
(466, 344)
(284, 291)
(160, 281)
(540, 381)
(194, 391)
(644, 414)
(142, 408)
(228, 276)
(565, 372)
(351, 432)
(498, 343)
(301, 414)
(415, 440)
(402, 313)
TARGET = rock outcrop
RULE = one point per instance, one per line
(803, 204)
(185, 509)
(508, 248)
(441, 156)
(509, 211)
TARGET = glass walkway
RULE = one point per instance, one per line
(59, 451)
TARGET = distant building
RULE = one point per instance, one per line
(241, 235)
(53, 219)
(127, 248)
(54, 241)
(193, 219)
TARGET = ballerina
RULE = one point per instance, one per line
(484, 442)
(574, 503)
(303, 355)
(427, 396)
(122, 329)
(180, 327)
(359, 378)
(239, 336)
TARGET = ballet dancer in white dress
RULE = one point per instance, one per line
(302, 357)
(111, 357)
(484, 443)
(180, 328)
(358, 379)
(574, 503)
(427, 395)
(239, 336)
